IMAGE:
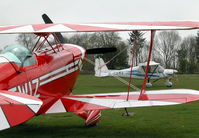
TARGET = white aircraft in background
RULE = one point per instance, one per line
(156, 72)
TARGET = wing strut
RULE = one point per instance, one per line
(152, 73)
(131, 73)
(143, 96)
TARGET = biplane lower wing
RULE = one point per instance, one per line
(79, 103)
(16, 108)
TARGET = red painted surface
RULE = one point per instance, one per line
(94, 116)
(96, 27)
(85, 28)
(78, 106)
(181, 98)
(47, 63)
(17, 114)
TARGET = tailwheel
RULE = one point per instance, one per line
(92, 117)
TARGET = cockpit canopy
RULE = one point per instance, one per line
(19, 55)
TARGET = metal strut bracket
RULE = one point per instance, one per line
(40, 43)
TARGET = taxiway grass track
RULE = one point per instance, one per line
(169, 121)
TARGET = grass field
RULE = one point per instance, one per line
(155, 122)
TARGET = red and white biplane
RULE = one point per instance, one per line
(41, 81)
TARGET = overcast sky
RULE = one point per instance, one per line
(14, 12)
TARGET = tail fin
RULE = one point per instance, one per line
(101, 69)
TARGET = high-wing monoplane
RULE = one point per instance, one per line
(41, 80)
(156, 72)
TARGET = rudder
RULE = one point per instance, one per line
(101, 69)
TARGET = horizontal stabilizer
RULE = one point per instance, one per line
(78, 103)
(16, 108)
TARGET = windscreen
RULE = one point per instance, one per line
(18, 54)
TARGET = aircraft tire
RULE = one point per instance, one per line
(168, 84)
(148, 85)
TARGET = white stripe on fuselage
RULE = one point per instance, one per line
(47, 78)
(67, 70)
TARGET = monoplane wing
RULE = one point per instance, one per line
(98, 27)
(16, 108)
(78, 103)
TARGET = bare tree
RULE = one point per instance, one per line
(117, 59)
(81, 39)
(197, 47)
(27, 40)
(187, 55)
(111, 39)
(166, 45)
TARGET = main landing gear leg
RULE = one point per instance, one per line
(127, 113)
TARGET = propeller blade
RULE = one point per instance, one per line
(47, 20)
(101, 50)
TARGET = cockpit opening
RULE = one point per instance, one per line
(19, 55)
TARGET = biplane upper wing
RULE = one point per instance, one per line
(97, 27)
(16, 108)
(78, 103)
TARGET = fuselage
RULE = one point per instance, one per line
(156, 71)
(52, 76)
(139, 73)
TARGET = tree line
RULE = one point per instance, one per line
(169, 49)
(177, 52)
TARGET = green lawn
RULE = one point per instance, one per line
(155, 122)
